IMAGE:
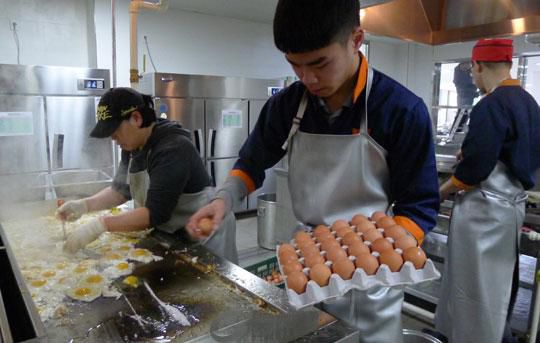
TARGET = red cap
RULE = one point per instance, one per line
(493, 50)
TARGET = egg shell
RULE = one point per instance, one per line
(365, 227)
(392, 259)
(287, 257)
(326, 245)
(405, 242)
(285, 247)
(310, 251)
(395, 232)
(302, 236)
(320, 273)
(372, 235)
(206, 225)
(359, 218)
(335, 253)
(385, 222)
(350, 238)
(380, 245)
(310, 261)
(291, 267)
(297, 281)
(340, 223)
(358, 248)
(305, 244)
(344, 268)
(342, 231)
(377, 215)
(323, 237)
(368, 263)
(416, 256)
(320, 229)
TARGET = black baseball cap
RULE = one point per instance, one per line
(115, 105)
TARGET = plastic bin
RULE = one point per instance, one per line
(266, 221)
(265, 268)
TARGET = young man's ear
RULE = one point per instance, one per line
(358, 37)
(136, 119)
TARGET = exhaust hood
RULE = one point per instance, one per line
(437, 22)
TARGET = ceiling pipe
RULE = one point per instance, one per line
(134, 7)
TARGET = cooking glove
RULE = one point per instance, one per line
(72, 210)
(83, 235)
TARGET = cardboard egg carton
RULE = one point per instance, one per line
(336, 287)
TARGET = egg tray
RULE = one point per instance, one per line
(407, 275)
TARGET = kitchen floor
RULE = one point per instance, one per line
(250, 253)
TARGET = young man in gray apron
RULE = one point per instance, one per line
(357, 142)
(160, 170)
(499, 158)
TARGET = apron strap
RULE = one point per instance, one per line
(364, 122)
(296, 120)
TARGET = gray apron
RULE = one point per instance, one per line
(482, 250)
(222, 243)
(335, 177)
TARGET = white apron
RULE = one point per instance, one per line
(335, 177)
(483, 243)
(222, 243)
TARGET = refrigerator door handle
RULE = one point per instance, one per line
(211, 141)
(213, 173)
(58, 150)
(197, 137)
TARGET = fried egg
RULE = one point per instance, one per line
(141, 255)
(131, 281)
(118, 269)
(94, 280)
(84, 293)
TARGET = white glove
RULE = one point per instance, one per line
(72, 210)
(83, 235)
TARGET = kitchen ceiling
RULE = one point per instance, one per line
(425, 21)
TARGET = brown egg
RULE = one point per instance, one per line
(342, 231)
(335, 253)
(302, 236)
(394, 232)
(365, 226)
(392, 259)
(320, 229)
(368, 263)
(377, 215)
(305, 244)
(405, 242)
(385, 222)
(310, 250)
(416, 256)
(323, 237)
(320, 273)
(292, 267)
(357, 249)
(344, 268)
(310, 261)
(339, 223)
(358, 218)
(372, 235)
(206, 225)
(287, 257)
(380, 245)
(329, 243)
(286, 247)
(297, 281)
(350, 238)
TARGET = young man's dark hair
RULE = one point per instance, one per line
(294, 32)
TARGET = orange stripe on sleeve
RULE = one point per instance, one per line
(246, 179)
(410, 226)
(362, 78)
(459, 184)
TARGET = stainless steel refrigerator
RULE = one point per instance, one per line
(219, 111)
(46, 114)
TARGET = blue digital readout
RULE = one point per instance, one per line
(94, 84)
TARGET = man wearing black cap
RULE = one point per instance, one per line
(160, 170)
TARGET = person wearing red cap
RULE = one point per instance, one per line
(497, 163)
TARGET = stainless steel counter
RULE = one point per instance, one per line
(247, 308)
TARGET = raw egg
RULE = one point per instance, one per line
(394, 232)
(405, 242)
(320, 273)
(385, 222)
(392, 259)
(311, 250)
(320, 229)
(286, 247)
(302, 236)
(206, 225)
(416, 256)
(350, 238)
(297, 281)
(380, 245)
(342, 231)
(344, 268)
(326, 245)
(335, 253)
(368, 263)
(358, 218)
(292, 267)
(365, 226)
(357, 249)
(288, 256)
(310, 261)
(377, 215)
(340, 223)
(372, 235)
(323, 237)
